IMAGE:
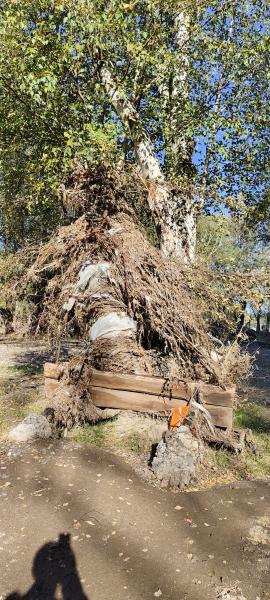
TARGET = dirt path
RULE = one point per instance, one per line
(129, 541)
(30, 354)
(76, 523)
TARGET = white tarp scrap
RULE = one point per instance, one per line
(87, 274)
(115, 229)
(90, 271)
(112, 325)
(100, 296)
(68, 306)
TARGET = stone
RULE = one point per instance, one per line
(232, 593)
(32, 427)
(177, 455)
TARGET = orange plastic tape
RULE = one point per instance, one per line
(178, 416)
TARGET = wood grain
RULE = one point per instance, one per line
(210, 394)
(141, 402)
(54, 370)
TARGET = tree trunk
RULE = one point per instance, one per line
(241, 321)
(173, 215)
(258, 322)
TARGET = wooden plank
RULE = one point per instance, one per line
(54, 370)
(140, 383)
(127, 400)
(211, 394)
(137, 401)
(222, 416)
(51, 385)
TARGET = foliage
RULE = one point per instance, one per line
(194, 74)
(217, 241)
(229, 244)
(231, 272)
(129, 431)
(233, 93)
(13, 266)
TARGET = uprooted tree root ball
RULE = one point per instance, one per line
(101, 278)
(139, 282)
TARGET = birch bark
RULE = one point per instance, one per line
(172, 217)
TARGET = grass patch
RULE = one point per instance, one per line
(104, 435)
(223, 467)
(136, 433)
(21, 371)
(95, 435)
(12, 413)
(257, 418)
(254, 417)
(20, 395)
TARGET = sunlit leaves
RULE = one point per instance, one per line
(209, 88)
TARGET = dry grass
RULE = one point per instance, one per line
(236, 364)
(132, 428)
(131, 431)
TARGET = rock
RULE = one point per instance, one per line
(32, 427)
(232, 593)
(259, 534)
(176, 458)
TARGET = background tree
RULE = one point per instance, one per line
(163, 85)
(231, 274)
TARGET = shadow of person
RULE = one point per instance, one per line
(54, 567)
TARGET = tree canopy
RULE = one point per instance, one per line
(190, 78)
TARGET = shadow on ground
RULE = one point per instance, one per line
(35, 356)
(54, 567)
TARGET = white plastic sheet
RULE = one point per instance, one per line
(89, 274)
(112, 325)
(68, 306)
(89, 271)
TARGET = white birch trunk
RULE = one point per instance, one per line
(174, 219)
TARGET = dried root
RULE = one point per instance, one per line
(171, 336)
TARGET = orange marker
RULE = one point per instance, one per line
(178, 416)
